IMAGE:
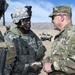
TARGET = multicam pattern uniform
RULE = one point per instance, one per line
(63, 50)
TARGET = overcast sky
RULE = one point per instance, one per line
(40, 8)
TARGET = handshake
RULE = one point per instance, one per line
(47, 67)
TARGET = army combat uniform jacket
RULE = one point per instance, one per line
(63, 50)
(33, 49)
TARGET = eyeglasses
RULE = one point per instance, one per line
(58, 15)
(55, 16)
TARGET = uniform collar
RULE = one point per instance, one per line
(69, 24)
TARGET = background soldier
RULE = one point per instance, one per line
(7, 49)
(63, 49)
(28, 45)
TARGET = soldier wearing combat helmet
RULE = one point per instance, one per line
(29, 46)
(63, 49)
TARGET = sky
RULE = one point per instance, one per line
(40, 8)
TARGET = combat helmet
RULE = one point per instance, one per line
(21, 13)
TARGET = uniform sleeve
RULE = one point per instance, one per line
(63, 56)
(8, 67)
(40, 50)
(9, 36)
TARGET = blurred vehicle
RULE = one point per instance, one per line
(45, 36)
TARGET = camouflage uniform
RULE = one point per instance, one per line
(32, 48)
(63, 49)
(63, 55)
(30, 38)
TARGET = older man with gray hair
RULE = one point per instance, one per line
(63, 49)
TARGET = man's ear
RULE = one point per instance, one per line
(62, 18)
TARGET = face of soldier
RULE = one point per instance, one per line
(57, 20)
(26, 23)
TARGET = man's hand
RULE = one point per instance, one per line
(47, 67)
